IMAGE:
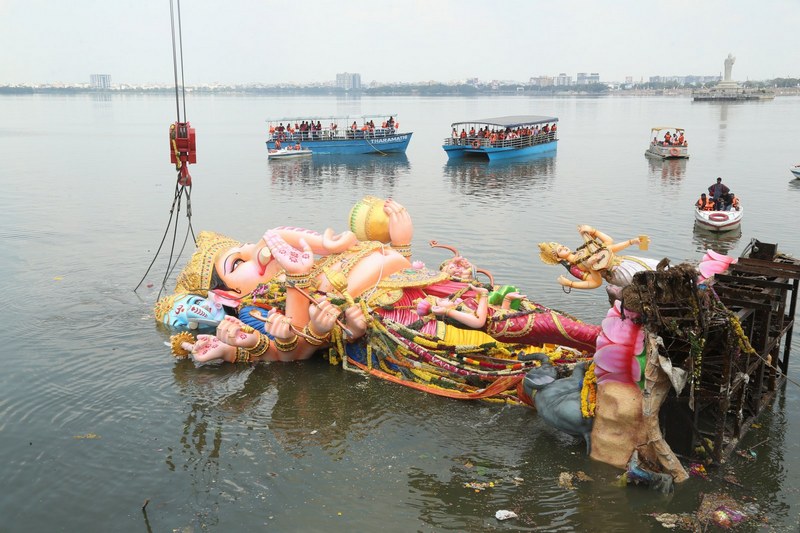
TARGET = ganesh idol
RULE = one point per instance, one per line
(358, 296)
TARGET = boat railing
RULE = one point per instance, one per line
(517, 142)
(329, 134)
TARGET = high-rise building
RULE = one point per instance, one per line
(100, 81)
(348, 81)
(562, 80)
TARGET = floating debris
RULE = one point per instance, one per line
(479, 486)
(87, 436)
(566, 479)
(676, 521)
(698, 470)
(502, 514)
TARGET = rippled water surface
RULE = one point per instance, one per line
(96, 418)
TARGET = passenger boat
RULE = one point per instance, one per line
(341, 135)
(288, 153)
(666, 150)
(718, 221)
(796, 171)
(503, 137)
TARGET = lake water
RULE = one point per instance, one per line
(96, 418)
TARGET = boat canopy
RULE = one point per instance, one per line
(333, 118)
(511, 121)
(660, 128)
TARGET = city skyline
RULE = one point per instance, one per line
(248, 41)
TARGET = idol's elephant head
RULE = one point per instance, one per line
(558, 401)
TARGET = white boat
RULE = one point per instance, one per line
(661, 148)
(288, 153)
(718, 221)
(796, 171)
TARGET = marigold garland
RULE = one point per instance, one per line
(589, 393)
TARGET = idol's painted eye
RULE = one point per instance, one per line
(236, 263)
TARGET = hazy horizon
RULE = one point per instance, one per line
(246, 41)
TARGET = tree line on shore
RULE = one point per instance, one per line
(426, 89)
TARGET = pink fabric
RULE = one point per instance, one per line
(713, 263)
(620, 342)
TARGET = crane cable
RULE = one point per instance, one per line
(183, 185)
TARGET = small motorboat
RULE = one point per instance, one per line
(718, 221)
(796, 171)
(664, 145)
(288, 153)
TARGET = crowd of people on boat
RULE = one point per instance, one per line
(499, 137)
(671, 140)
(719, 198)
(310, 130)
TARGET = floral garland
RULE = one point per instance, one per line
(589, 393)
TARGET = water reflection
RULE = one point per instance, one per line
(330, 168)
(723, 243)
(470, 176)
(668, 170)
(794, 185)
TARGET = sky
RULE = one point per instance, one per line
(271, 42)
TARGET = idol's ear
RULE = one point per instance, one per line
(226, 298)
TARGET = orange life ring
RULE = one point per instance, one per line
(674, 151)
(718, 217)
(476, 144)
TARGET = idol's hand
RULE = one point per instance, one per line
(208, 348)
(337, 243)
(236, 333)
(565, 281)
(278, 326)
(442, 307)
(401, 229)
(479, 290)
(585, 228)
(356, 321)
(293, 261)
(322, 316)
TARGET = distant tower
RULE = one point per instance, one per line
(348, 81)
(100, 81)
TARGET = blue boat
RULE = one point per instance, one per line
(503, 137)
(345, 135)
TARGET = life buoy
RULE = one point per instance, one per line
(476, 144)
(718, 217)
(674, 151)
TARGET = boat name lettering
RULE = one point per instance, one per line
(387, 140)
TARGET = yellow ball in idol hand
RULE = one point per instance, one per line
(368, 221)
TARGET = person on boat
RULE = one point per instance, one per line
(455, 133)
(372, 285)
(681, 139)
(734, 202)
(297, 146)
(716, 191)
(704, 203)
(596, 260)
(731, 201)
(277, 144)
